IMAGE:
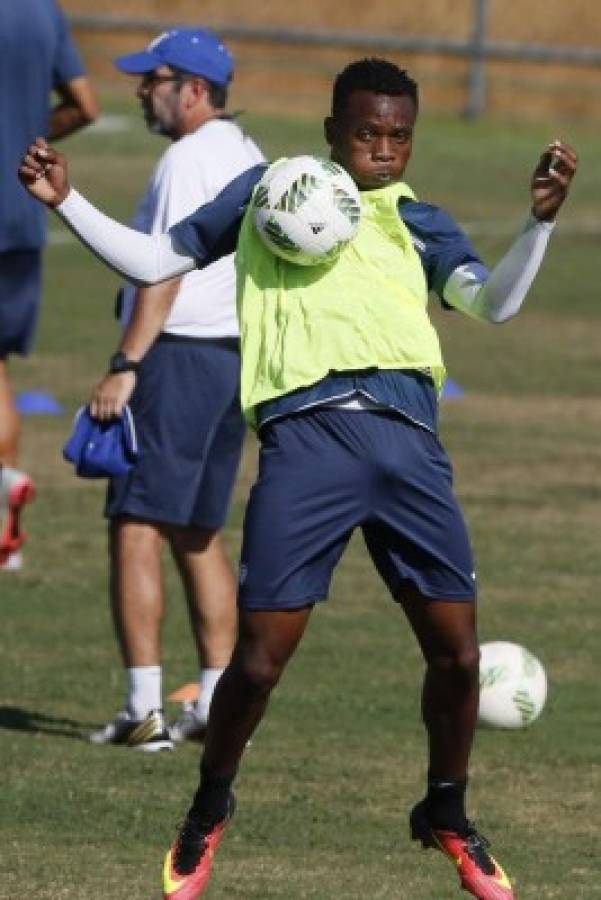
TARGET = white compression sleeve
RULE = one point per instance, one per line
(141, 258)
(501, 296)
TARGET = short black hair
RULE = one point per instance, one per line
(218, 94)
(377, 75)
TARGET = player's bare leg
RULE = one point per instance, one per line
(10, 423)
(137, 600)
(211, 589)
(16, 487)
(137, 607)
(446, 631)
(266, 642)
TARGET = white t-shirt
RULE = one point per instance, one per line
(192, 172)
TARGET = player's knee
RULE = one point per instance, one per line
(259, 670)
(459, 666)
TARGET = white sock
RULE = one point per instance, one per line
(144, 691)
(207, 682)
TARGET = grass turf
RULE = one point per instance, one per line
(326, 788)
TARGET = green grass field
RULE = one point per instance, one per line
(326, 788)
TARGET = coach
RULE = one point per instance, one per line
(184, 396)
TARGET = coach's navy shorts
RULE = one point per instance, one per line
(20, 292)
(190, 430)
(325, 472)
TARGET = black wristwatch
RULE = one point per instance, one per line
(119, 363)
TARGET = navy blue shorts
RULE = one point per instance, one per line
(190, 430)
(20, 293)
(326, 472)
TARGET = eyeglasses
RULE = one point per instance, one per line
(150, 79)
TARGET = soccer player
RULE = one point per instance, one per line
(38, 57)
(353, 445)
(184, 397)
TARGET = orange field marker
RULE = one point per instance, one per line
(187, 693)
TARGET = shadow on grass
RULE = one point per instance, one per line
(13, 718)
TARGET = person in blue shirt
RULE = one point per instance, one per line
(357, 448)
(37, 57)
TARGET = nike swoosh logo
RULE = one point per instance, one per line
(170, 885)
(500, 877)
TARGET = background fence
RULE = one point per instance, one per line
(470, 56)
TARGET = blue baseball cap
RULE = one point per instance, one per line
(190, 49)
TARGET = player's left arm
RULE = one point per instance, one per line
(500, 296)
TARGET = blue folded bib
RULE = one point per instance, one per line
(102, 449)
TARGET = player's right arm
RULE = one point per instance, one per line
(205, 236)
(141, 258)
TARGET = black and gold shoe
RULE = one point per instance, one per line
(149, 735)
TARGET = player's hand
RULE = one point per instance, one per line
(43, 172)
(110, 396)
(551, 180)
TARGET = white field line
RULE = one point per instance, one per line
(112, 124)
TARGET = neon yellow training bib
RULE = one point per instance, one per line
(366, 310)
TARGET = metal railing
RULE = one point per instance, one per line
(476, 50)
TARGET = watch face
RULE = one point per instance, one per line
(120, 363)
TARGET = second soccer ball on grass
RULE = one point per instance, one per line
(513, 685)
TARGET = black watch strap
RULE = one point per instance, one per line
(119, 363)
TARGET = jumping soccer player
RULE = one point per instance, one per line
(348, 426)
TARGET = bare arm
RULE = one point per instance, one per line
(77, 107)
(151, 309)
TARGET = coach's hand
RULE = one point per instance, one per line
(110, 396)
(43, 172)
(551, 180)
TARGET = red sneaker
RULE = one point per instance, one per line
(188, 863)
(16, 489)
(479, 873)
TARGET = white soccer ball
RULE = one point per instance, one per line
(513, 686)
(306, 209)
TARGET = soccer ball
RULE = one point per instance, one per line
(513, 686)
(306, 210)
